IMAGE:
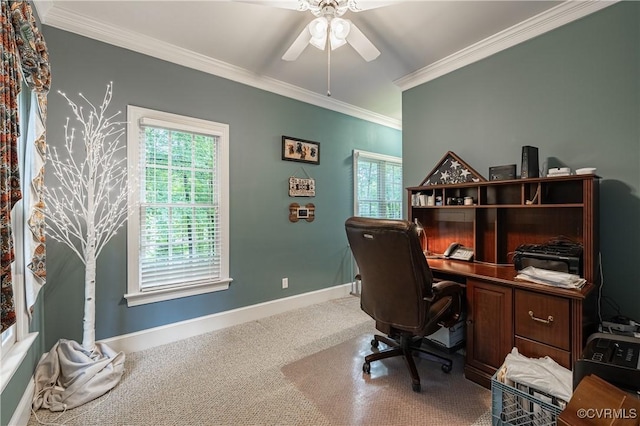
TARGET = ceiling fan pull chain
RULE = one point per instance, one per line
(329, 71)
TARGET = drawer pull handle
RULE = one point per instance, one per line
(549, 319)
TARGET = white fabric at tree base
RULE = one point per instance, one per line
(69, 375)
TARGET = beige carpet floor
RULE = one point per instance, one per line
(303, 367)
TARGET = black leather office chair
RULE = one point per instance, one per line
(398, 291)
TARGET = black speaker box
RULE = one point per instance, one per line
(502, 172)
(530, 168)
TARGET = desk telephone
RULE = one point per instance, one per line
(459, 252)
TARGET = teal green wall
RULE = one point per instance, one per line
(575, 94)
(265, 246)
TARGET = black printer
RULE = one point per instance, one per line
(555, 256)
(611, 357)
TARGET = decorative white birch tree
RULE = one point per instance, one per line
(90, 204)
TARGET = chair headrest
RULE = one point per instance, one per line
(372, 223)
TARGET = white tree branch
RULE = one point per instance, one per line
(90, 204)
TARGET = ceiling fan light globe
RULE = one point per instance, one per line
(336, 42)
(319, 42)
(318, 28)
(340, 28)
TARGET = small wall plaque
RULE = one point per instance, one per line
(306, 212)
(302, 187)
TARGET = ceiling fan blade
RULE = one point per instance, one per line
(281, 4)
(352, 5)
(298, 45)
(361, 44)
(360, 5)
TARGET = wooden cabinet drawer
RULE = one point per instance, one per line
(532, 349)
(543, 318)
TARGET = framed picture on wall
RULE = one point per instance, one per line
(294, 149)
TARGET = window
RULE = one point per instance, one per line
(178, 236)
(377, 185)
(9, 336)
(17, 340)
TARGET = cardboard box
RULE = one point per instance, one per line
(599, 403)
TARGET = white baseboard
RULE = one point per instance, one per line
(23, 410)
(157, 336)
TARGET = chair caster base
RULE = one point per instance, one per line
(446, 368)
(366, 368)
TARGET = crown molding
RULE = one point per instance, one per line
(55, 16)
(551, 19)
(42, 8)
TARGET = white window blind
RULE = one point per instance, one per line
(377, 185)
(180, 234)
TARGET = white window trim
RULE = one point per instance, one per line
(14, 353)
(14, 357)
(135, 114)
(373, 156)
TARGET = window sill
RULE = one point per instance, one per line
(143, 298)
(12, 361)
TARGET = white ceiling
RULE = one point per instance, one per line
(418, 41)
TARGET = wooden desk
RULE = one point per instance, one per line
(502, 313)
(505, 214)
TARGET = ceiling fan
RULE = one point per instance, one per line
(330, 28)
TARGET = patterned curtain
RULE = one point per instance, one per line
(23, 50)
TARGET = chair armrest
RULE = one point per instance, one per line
(443, 288)
(446, 288)
(451, 289)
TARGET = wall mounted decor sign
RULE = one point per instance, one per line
(451, 169)
(298, 212)
(294, 149)
(302, 187)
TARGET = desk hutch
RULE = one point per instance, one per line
(501, 312)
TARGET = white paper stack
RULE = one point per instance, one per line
(553, 278)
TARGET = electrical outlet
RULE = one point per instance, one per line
(285, 283)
